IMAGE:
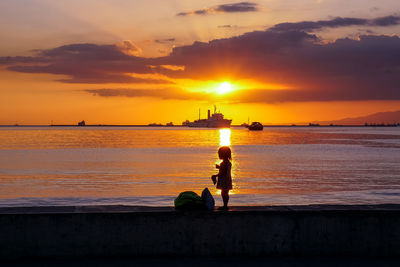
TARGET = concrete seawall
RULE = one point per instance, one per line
(318, 230)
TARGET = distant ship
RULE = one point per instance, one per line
(256, 126)
(215, 120)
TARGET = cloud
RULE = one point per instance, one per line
(165, 41)
(113, 79)
(88, 63)
(224, 8)
(307, 69)
(386, 21)
(21, 59)
(335, 23)
(244, 96)
(166, 93)
(129, 48)
(304, 95)
(224, 26)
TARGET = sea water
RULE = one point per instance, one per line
(41, 166)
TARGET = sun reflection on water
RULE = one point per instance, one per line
(225, 140)
(225, 137)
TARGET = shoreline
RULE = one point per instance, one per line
(137, 231)
(171, 209)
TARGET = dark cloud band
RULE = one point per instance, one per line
(225, 8)
(166, 93)
(335, 23)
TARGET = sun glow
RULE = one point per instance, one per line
(224, 88)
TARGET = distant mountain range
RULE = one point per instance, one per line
(390, 117)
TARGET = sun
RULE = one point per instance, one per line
(224, 88)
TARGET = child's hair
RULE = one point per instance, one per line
(224, 152)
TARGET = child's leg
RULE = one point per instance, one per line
(225, 197)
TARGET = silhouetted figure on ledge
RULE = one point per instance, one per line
(224, 181)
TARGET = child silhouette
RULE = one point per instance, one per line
(224, 181)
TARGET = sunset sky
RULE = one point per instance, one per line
(138, 62)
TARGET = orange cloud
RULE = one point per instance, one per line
(129, 48)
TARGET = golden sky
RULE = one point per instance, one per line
(138, 62)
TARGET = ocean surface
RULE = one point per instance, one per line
(150, 166)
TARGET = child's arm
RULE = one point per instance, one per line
(222, 169)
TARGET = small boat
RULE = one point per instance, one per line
(256, 126)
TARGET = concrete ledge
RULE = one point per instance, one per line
(316, 230)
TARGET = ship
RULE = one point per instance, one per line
(215, 120)
(256, 126)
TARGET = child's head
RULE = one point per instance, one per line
(224, 152)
